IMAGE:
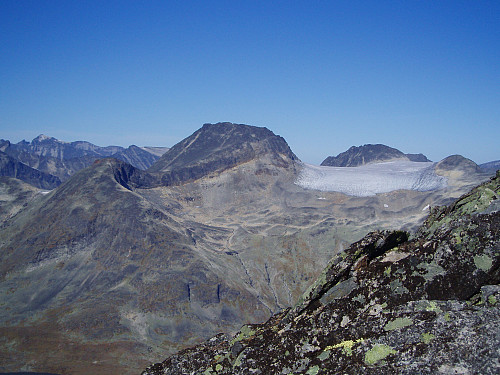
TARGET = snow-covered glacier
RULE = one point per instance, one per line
(371, 179)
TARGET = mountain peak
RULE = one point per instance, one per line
(220, 146)
(370, 153)
(43, 137)
(457, 165)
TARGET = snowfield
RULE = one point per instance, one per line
(371, 179)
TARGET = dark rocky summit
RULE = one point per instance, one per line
(218, 147)
(418, 157)
(389, 304)
(457, 163)
(366, 154)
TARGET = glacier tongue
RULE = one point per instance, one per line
(371, 179)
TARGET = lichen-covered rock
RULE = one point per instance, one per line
(427, 305)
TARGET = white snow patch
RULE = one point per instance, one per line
(371, 179)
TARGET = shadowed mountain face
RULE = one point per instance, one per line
(113, 269)
(138, 157)
(385, 305)
(12, 167)
(217, 147)
(367, 154)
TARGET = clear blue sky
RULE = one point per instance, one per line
(421, 76)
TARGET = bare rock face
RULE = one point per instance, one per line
(387, 304)
(12, 167)
(218, 147)
(367, 154)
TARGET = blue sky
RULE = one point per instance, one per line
(421, 76)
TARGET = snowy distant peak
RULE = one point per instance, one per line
(370, 153)
(43, 138)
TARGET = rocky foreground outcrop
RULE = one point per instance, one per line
(388, 304)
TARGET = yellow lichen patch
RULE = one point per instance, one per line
(387, 271)
(245, 332)
(345, 345)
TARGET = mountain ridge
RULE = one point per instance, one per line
(62, 159)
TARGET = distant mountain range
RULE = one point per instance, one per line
(118, 267)
(58, 160)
